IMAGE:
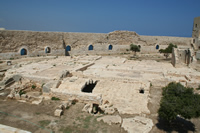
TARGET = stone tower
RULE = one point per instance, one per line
(196, 33)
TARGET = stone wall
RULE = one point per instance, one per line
(11, 42)
(196, 33)
(179, 57)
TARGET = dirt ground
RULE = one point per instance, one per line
(41, 119)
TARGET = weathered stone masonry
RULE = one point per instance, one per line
(66, 43)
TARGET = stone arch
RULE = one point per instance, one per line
(68, 48)
(110, 47)
(90, 47)
(47, 50)
(157, 46)
(23, 51)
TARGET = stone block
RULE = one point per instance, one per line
(47, 87)
(64, 74)
(58, 112)
(10, 96)
(87, 108)
(17, 96)
(38, 101)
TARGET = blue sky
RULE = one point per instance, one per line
(146, 17)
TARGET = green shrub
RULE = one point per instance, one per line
(21, 92)
(151, 85)
(74, 101)
(55, 98)
(135, 48)
(33, 86)
(168, 50)
(179, 100)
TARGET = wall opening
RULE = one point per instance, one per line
(23, 51)
(110, 47)
(47, 50)
(141, 91)
(90, 47)
(89, 86)
(68, 48)
(195, 25)
(157, 46)
(139, 46)
(193, 40)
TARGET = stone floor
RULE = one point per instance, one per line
(118, 80)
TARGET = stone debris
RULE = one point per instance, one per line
(88, 108)
(17, 96)
(67, 104)
(37, 102)
(58, 112)
(107, 109)
(47, 87)
(137, 124)
(110, 119)
(10, 96)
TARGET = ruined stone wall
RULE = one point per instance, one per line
(11, 42)
(179, 57)
(196, 33)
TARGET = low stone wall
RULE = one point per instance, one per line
(82, 97)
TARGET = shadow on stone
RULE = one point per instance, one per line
(180, 125)
(88, 88)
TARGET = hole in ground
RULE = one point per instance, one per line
(141, 91)
(88, 87)
(96, 109)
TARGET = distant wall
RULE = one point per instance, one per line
(11, 43)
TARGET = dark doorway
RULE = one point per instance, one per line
(141, 91)
(23, 51)
(110, 47)
(90, 47)
(47, 50)
(157, 46)
(68, 48)
(88, 88)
